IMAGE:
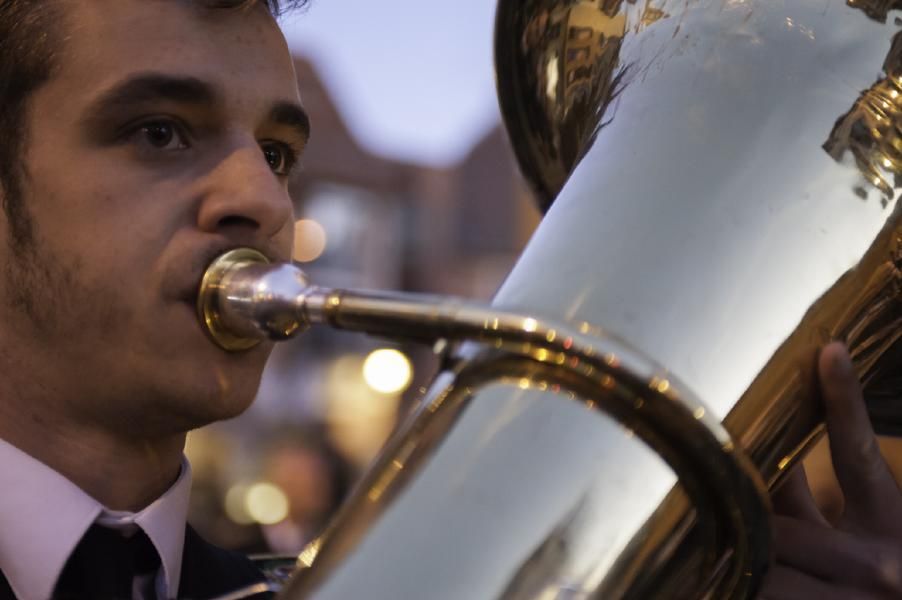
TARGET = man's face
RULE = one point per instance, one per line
(162, 138)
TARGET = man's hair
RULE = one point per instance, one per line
(29, 42)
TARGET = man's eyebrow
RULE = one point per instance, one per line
(291, 115)
(151, 87)
(147, 87)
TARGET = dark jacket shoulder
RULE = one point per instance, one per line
(209, 571)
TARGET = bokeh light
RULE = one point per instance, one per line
(235, 506)
(266, 503)
(309, 240)
(359, 419)
(387, 371)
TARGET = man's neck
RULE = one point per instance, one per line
(121, 472)
(120, 476)
(95, 442)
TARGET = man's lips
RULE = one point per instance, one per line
(195, 270)
(185, 279)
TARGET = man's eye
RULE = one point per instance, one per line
(161, 135)
(279, 156)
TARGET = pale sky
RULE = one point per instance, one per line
(413, 79)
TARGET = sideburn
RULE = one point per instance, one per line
(18, 219)
(27, 276)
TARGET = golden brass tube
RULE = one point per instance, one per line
(244, 299)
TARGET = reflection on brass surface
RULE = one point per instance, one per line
(871, 322)
(863, 309)
(715, 167)
(713, 134)
(573, 50)
(252, 297)
(556, 107)
(400, 464)
(872, 130)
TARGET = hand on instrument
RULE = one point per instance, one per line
(860, 556)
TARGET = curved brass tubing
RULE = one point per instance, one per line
(244, 299)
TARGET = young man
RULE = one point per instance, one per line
(140, 139)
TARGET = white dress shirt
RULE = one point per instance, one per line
(43, 516)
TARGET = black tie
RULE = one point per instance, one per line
(105, 563)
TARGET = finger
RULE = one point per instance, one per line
(793, 498)
(838, 556)
(786, 583)
(863, 475)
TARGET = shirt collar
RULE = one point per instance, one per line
(43, 516)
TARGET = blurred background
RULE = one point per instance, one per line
(408, 184)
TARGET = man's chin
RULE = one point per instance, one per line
(205, 393)
(198, 382)
(203, 408)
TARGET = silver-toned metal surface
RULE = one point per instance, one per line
(731, 203)
(257, 301)
(246, 297)
(744, 174)
(724, 176)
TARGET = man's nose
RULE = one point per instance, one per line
(242, 192)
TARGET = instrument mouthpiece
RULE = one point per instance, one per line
(244, 299)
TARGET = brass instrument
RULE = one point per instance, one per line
(720, 179)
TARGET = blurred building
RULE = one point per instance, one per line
(365, 221)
